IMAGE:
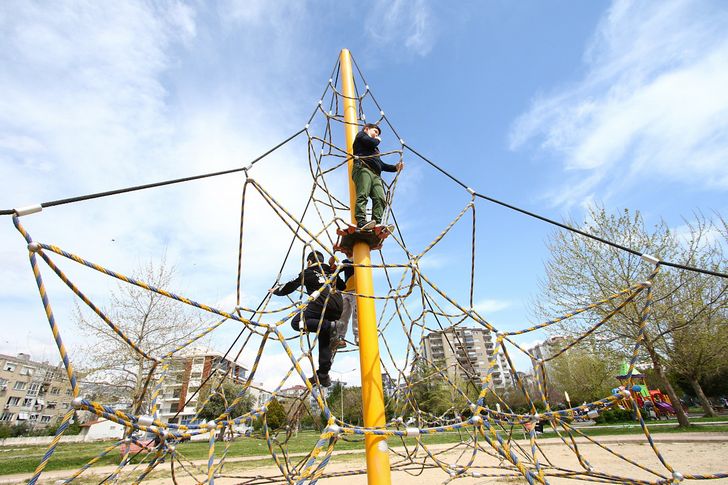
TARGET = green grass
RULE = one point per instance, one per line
(629, 430)
(673, 420)
(71, 456)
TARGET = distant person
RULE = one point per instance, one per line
(366, 175)
(313, 278)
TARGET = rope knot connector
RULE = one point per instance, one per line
(650, 259)
(145, 420)
(31, 209)
(34, 247)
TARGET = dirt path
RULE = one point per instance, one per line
(687, 452)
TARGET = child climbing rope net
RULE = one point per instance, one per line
(410, 308)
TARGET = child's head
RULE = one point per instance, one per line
(315, 257)
(372, 130)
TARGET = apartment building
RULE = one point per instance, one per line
(185, 376)
(36, 394)
(547, 348)
(465, 352)
(389, 385)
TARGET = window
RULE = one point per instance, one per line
(19, 386)
(3, 382)
(26, 371)
(45, 419)
(13, 401)
(55, 391)
(33, 391)
(7, 416)
(34, 417)
(28, 402)
(68, 392)
(51, 405)
(9, 367)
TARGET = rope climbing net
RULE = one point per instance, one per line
(487, 436)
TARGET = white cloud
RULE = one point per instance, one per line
(88, 104)
(491, 306)
(651, 104)
(409, 23)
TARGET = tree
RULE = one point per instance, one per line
(582, 271)
(352, 403)
(697, 343)
(276, 414)
(433, 395)
(586, 372)
(155, 323)
(699, 350)
(223, 397)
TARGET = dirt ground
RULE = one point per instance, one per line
(687, 453)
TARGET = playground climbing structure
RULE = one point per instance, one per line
(408, 308)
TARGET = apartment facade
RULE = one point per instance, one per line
(465, 352)
(185, 376)
(547, 348)
(36, 394)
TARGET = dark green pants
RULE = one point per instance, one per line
(368, 185)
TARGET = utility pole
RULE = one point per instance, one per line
(377, 451)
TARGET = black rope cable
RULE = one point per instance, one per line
(560, 224)
(523, 211)
(80, 198)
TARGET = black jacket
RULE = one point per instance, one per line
(313, 278)
(366, 148)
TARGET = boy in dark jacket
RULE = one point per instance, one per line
(328, 303)
(366, 175)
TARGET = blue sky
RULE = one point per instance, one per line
(549, 106)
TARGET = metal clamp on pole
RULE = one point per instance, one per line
(31, 209)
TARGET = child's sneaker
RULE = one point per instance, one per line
(386, 227)
(323, 379)
(368, 226)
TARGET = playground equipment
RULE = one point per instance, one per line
(641, 394)
(410, 308)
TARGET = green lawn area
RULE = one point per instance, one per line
(71, 456)
(634, 428)
(673, 421)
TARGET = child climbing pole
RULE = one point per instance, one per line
(366, 174)
(321, 314)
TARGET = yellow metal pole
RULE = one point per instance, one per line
(378, 470)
